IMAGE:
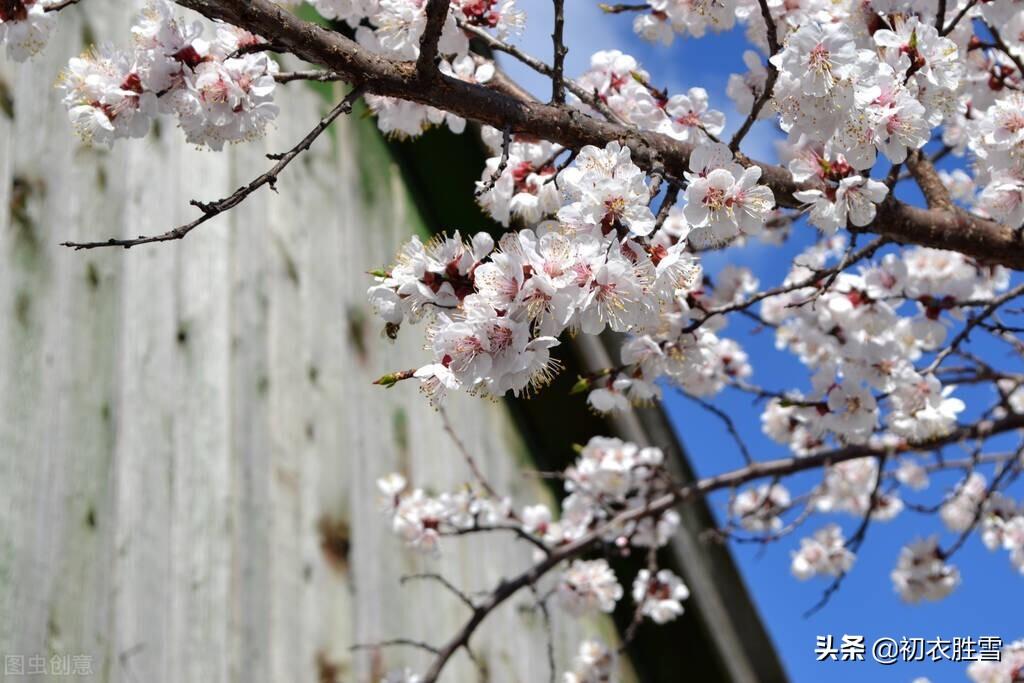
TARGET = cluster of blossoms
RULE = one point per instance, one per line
(421, 520)
(589, 254)
(621, 84)
(394, 29)
(587, 587)
(1008, 667)
(609, 477)
(851, 487)
(861, 335)
(922, 572)
(590, 586)
(686, 348)
(599, 263)
(217, 94)
(25, 27)
(595, 662)
(1000, 521)
(659, 595)
(853, 78)
(758, 509)
(1007, 670)
(824, 553)
(858, 79)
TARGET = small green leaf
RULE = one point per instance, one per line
(582, 384)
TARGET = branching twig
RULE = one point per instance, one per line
(437, 14)
(769, 83)
(540, 67)
(956, 20)
(218, 207)
(1001, 44)
(854, 542)
(812, 281)
(1006, 469)
(558, 63)
(467, 456)
(506, 141)
(976, 237)
(759, 470)
(444, 582)
(973, 322)
(727, 421)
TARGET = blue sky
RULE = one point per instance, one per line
(987, 603)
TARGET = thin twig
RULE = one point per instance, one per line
(1001, 44)
(727, 421)
(769, 83)
(956, 20)
(437, 14)
(444, 582)
(396, 642)
(506, 141)
(867, 252)
(542, 607)
(307, 75)
(558, 64)
(759, 470)
(540, 67)
(1006, 469)
(218, 207)
(467, 456)
(58, 6)
(620, 8)
(973, 322)
(854, 542)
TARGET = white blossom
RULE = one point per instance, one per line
(588, 586)
(659, 596)
(922, 573)
(823, 553)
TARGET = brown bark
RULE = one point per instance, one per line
(986, 241)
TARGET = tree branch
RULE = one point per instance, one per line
(934, 191)
(973, 322)
(978, 238)
(774, 468)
